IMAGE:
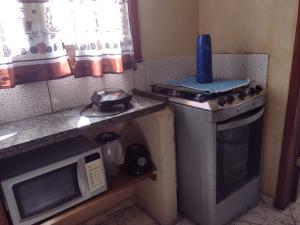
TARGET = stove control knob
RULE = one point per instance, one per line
(203, 98)
(258, 89)
(230, 99)
(251, 92)
(196, 98)
(221, 101)
(242, 95)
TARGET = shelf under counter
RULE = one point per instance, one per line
(90, 208)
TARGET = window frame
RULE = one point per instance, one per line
(135, 29)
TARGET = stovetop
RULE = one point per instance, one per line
(209, 101)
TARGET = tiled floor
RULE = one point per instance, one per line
(262, 214)
(130, 216)
(135, 216)
(265, 214)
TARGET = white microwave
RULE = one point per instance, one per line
(57, 177)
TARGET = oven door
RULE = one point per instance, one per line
(238, 152)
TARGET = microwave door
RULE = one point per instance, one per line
(47, 191)
(39, 194)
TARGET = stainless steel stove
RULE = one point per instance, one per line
(218, 142)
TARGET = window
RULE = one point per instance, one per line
(49, 39)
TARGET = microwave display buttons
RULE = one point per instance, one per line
(92, 157)
(95, 175)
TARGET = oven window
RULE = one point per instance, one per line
(238, 157)
(47, 191)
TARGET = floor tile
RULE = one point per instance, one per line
(265, 215)
(184, 221)
(238, 223)
(130, 216)
(136, 216)
(295, 210)
(262, 214)
(109, 222)
(133, 216)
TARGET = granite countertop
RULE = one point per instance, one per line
(25, 135)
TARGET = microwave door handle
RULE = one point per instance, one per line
(81, 177)
(241, 122)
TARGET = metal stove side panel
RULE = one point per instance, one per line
(196, 164)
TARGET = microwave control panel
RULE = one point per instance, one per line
(95, 172)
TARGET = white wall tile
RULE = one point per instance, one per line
(167, 69)
(70, 92)
(241, 66)
(140, 77)
(123, 81)
(225, 66)
(24, 101)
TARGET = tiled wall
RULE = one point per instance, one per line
(30, 100)
(241, 66)
(24, 101)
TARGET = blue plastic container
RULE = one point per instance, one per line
(204, 59)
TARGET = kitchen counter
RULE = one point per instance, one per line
(24, 135)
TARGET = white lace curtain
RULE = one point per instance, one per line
(50, 39)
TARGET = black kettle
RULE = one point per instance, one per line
(137, 160)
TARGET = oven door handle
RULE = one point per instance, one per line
(238, 123)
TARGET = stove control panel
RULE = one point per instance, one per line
(240, 95)
(210, 101)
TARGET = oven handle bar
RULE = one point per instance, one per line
(241, 122)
